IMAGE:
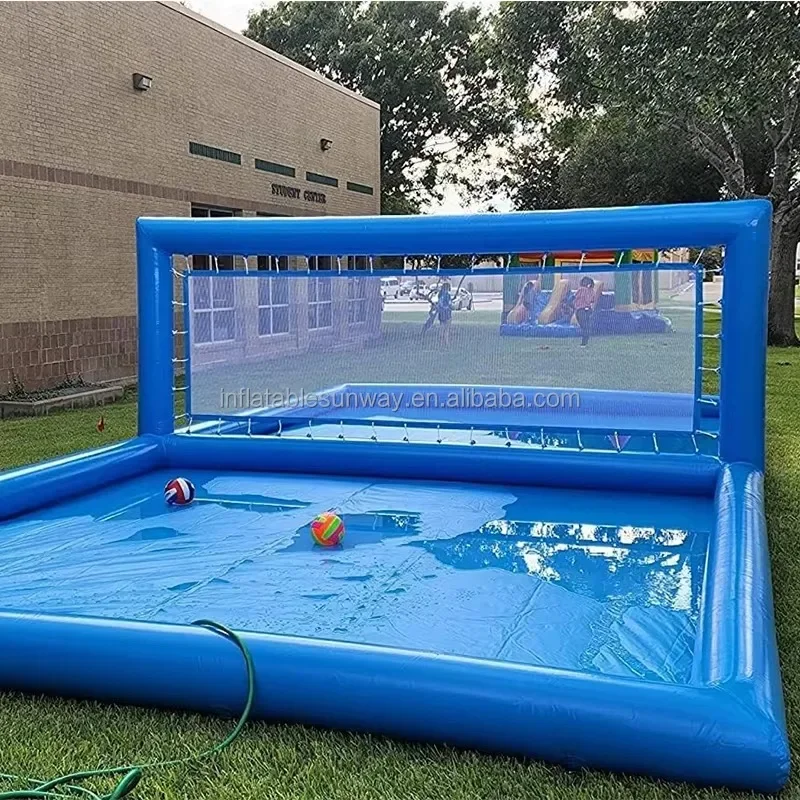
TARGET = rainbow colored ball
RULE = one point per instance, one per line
(179, 492)
(327, 529)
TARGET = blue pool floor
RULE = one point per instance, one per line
(599, 582)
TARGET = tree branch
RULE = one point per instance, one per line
(770, 129)
(782, 173)
(738, 159)
(732, 172)
(791, 105)
(793, 211)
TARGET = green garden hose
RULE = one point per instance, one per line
(68, 786)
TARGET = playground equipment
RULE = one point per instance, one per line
(586, 583)
(625, 302)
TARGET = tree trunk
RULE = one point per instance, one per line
(783, 263)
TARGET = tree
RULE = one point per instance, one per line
(607, 160)
(625, 159)
(725, 76)
(528, 175)
(429, 65)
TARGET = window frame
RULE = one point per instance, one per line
(264, 263)
(203, 263)
(215, 153)
(212, 312)
(356, 305)
(272, 306)
(316, 305)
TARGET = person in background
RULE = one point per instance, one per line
(444, 309)
(583, 303)
(528, 299)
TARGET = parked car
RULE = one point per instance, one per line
(406, 287)
(390, 287)
(462, 297)
(419, 291)
(463, 300)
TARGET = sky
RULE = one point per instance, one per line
(233, 14)
(230, 13)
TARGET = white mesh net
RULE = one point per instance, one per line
(453, 349)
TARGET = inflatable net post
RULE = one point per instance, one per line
(330, 329)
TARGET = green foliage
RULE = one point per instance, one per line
(428, 64)
(627, 159)
(538, 41)
(529, 176)
(698, 61)
(607, 160)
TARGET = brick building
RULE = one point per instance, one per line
(225, 127)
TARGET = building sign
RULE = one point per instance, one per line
(294, 193)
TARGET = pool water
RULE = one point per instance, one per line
(598, 582)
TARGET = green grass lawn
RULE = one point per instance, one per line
(47, 737)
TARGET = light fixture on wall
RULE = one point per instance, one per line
(325, 144)
(141, 82)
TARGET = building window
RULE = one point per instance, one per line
(213, 313)
(272, 166)
(207, 262)
(317, 263)
(272, 263)
(215, 211)
(315, 177)
(273, 306)
(207, 151)
(213, 297)
(362, 188)
(356, 301)
(320, 306)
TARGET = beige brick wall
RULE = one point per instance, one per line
(68, 251)
(82, 154)
(66, 100)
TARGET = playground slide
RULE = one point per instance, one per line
(519, 313)
(550, 313)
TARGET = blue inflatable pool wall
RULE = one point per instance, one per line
(559, 591)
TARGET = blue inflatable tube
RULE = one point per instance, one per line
(604, 323)
(676, 732)
(632, 471)
(32, 487)
(737, 628)
(570, 229)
